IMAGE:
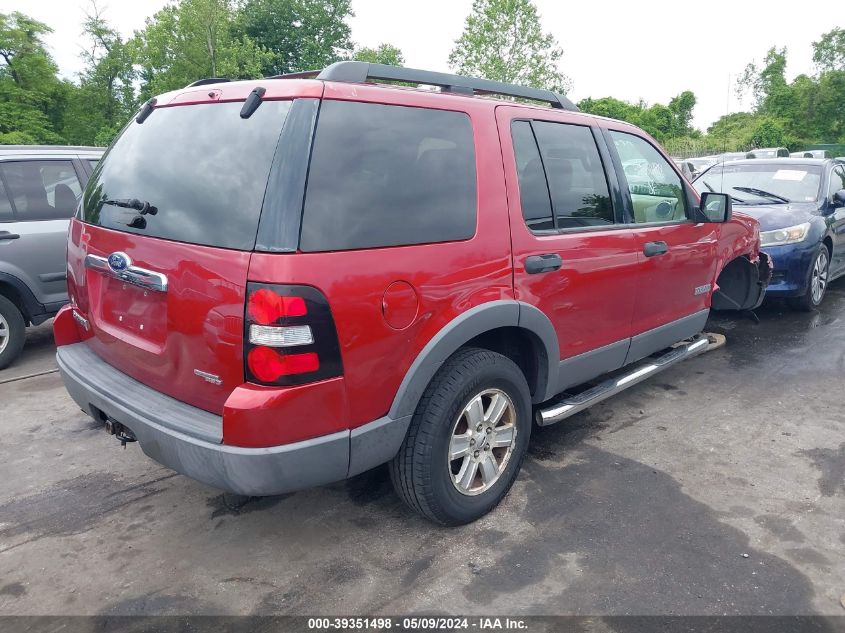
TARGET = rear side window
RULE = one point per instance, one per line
(389, 176)
(580, 196)
(563, 161)
(533, 190)
(202, 168)
(42, 189)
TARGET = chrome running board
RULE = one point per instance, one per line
(644, 369)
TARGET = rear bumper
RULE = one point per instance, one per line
(187, 439)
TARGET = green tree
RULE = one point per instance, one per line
(611, 108)
(503, 40)
(763, 82)
(829, 51)
(661, 121)
(681, 108)
(32, 98)
(106, 96)
(382, 54)
(194, 39)
(299, 35)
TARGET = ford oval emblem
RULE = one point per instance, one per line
(119, 262)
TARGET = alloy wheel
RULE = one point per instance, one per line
(818, 281)
(482, 442)
(4, 333)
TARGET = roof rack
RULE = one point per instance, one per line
(209, 80)
(360, 72)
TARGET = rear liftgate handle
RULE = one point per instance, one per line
(651, 249)
(543, 263)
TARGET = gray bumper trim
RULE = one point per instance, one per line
(177, 435)
(248, 471)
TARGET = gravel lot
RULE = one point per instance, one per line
(715, 488)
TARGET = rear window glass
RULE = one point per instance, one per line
(388, 176)
(42, 189)
(201, 168)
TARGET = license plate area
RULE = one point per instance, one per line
(129, 312)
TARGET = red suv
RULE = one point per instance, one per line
(282, 283)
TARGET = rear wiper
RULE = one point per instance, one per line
(763, 194)
(141, 206)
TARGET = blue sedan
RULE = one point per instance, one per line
(800, 204)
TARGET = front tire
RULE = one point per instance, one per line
(467, 438)
(12, 332)
(817, 283)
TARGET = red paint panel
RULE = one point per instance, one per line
(161, 338)
(256, 416)
(65, 330)
(449, 278)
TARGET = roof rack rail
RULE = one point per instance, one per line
(209, 80)
(360, 72)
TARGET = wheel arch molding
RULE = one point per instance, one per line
(474, 324)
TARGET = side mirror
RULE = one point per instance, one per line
(839, 199)
(716, 207)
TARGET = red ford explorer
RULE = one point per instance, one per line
(282, 283)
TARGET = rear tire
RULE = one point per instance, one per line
(12, 332)
(816, 284)
(467, 438)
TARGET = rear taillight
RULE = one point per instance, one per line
(289, 336)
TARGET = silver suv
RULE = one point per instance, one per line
(39, 189)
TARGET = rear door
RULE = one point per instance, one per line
(158, 260)
(572, 259)
(43, 194)
(677, 255)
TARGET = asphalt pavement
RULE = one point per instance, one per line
(717, 487)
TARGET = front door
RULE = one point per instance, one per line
(677, 255)
(571, 257)
(836, 183)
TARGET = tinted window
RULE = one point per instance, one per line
(656, 189)
(202, 167)
(42, 189)
(6, 214)
(93, 163)
(389, 175)
(533, 190)
(575, 175)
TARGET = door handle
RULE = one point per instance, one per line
(5, 235)
(543, 263)
(651, 249)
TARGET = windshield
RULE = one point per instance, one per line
(188, 173)
(763, 184)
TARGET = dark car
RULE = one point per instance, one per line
(800, 204)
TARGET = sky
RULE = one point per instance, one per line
(649, 49)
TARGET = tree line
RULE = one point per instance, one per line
(241, 39)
